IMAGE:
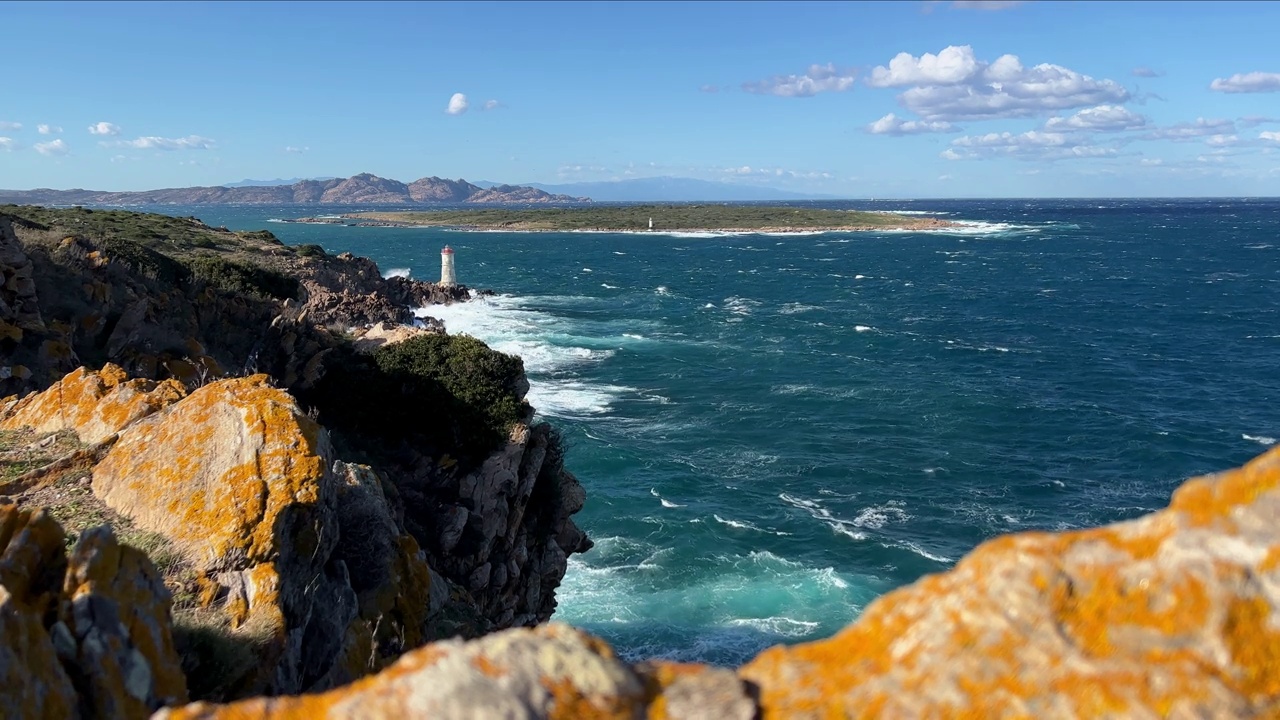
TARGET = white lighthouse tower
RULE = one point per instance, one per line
(447, 278)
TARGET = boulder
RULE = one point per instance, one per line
(551, 671)
(96, 404)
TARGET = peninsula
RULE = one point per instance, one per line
(665, 218)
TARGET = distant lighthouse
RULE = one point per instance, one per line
(447, 278)
(650, 223)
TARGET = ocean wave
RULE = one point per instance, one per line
(815, 509)
(796, 308)
(1260, 439)
(743, 525)
(877, 516)
(741, 306)
(397, 272)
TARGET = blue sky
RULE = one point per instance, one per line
(898, 99)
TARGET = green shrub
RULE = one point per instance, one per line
(243, 279)
(312, 251)
(438, 394)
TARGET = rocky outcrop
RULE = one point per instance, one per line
(89, 636)
(94, 404)
(1176, 614)
(364, 188)
(552, 671)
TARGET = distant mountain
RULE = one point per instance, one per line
(355, 190)
(277, 181)
(674, 189)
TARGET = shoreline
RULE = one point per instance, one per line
(908, 224)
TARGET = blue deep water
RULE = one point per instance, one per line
(775, 430)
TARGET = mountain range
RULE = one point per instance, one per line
(356, 190)
(672, 189)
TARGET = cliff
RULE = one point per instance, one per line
(300, 557)
(355, 190)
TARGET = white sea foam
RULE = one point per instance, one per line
(1260, 439)
(796, 308)
(607, 286)
(662, 290)
(815, 509)
(740, 306)
(877, 516)
(915, 548)
(743, 525)
(859, 277)
(397, 272)
(862, 328)
(587, 270)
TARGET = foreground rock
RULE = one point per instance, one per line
(1176, 614)
(89, 636)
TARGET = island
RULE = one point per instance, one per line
(665, 218)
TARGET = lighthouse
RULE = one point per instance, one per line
(447, 278)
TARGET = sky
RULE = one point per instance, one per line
(859, 100)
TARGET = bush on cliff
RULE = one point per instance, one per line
(242, 278)
(439, 393)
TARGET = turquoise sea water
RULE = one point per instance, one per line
(775, 430)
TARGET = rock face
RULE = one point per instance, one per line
(552, 671)
(357, 189)
(1176, 614)
(90, 636)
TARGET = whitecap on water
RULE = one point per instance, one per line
(815, 509)
(397, 272)
(1260, 439)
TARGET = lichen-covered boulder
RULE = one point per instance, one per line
(1176, 614)
(96, 404)
(116, 609)
(240, 480)
(33, 683)
(552, 671)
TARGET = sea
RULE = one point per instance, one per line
(774, 430)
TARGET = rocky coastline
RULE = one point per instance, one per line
(234, 483)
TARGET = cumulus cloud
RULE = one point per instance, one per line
(295, 150)
(893, 125)
(1183, 132)
(818, 79)
(1253, 82)
(8, 144)
(1103, 118)
(491, 105)
(1146, 72)
(104, 128)
(1219, 141)
(44, 129)
(1030, 145)
(54, 147)
(951, 66)
(457, 104)
(1269, 135)
(151, 142)
(6, 126)
(956, 85)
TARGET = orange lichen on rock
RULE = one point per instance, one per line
(234, 475)
(94, 404)
(1172, 614)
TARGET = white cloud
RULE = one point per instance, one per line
(1269, 135)
(951, 66)
(151, 142)
(1146, 72)
(1222, 140)
(1151, 162)
(457, 104)
(1030, 145)
(1103, 118)
(709, 89)
(1249, 121)
(8, 144)
(893, 125)
(491, 105)
(6, 126)
(1182, 132)
(104, 128)
(818, 79)
(955, 85)
(44, 129)
(1247, 83)
(54, 147)
(295, 150)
